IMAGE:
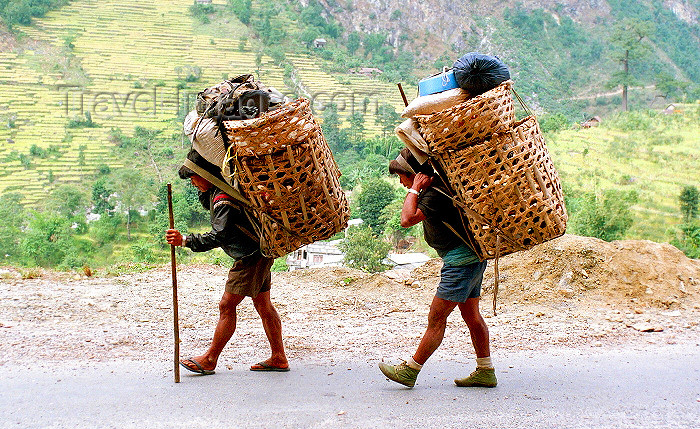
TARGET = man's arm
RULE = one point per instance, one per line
(410, 213)
(222, 231)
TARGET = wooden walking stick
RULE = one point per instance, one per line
(173, 269)
(403, 95)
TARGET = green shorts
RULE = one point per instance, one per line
(250, 275)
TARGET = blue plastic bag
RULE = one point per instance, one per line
(477, 73)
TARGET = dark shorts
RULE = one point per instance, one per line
(457, 284)
(250, 276)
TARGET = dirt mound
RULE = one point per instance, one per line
(584, 269)
(588, 269)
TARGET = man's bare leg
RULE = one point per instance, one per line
(477, 327)
(437, 321)
(273, 329)
(223, 332)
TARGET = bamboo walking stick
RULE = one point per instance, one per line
(173, 269)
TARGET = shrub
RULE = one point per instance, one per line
(48, 239)
(688, 240)
(243, 9)
(82, 122)
(201, 12)
(689, 203)
(631, 121)
(13, 218)
(553, 123)
(280, 264)
(364, 251)
(605, 215)
(374, 196)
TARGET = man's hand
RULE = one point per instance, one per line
(173, 236)
(421, 181)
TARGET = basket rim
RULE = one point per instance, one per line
(425, 119)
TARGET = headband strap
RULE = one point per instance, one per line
(228, 189)
(403, 163)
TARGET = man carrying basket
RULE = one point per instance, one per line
(460, 278)
(249, 276)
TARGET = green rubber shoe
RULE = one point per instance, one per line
(401, 373)
(482, 377)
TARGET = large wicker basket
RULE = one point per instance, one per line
(282, 164)
(469, 122)
(508, 189)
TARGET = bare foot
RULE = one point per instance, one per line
(204, 364)
(271, 365)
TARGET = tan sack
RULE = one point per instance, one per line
(433, 103)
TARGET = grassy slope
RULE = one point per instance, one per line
(124, 42)
(656, 163)
(128, 51)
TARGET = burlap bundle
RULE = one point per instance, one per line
(469, 122)
(508, 190)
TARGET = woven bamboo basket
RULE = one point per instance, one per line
(282, 164)
(469, 122)
(508, 190)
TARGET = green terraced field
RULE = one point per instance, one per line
(128, 58)
(132, 55)
(655, 163)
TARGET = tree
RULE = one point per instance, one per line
(337, 138)
(373, 43)
(353, 43)
(357, 129)
(132, 191)
(243, 9)
(627, 39)
(374, 196)
(605, 215)
(387, 118)
(689, 240)
(48, 239)
(13, 221)
(106, 230)
(689, 203)
(363, 250)
(670, 87)
(391, 216)
(100, 197)
(68, 201)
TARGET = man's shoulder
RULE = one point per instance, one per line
(434, 198)
(220, 198)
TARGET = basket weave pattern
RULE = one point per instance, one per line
(507, 186)
(283, 165)
(469, 122)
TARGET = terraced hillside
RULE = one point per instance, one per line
(655, 162)
(131, 63)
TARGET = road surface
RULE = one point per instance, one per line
(650, 386)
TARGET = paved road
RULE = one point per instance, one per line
(650, 387)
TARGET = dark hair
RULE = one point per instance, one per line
(185, 173)
(199, 161)
(396, 167)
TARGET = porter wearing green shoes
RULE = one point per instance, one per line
(460, 278)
